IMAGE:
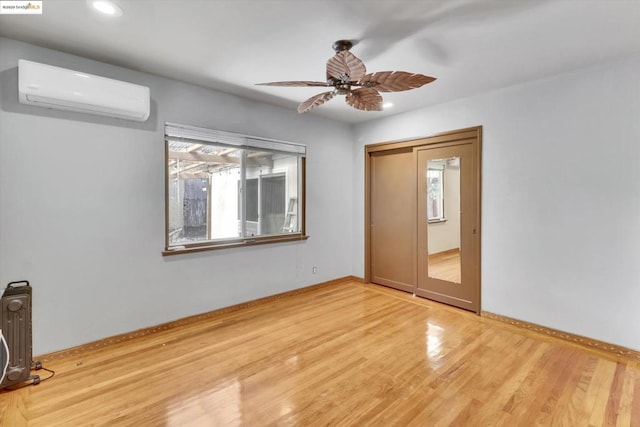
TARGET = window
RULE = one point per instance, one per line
(435, 194)
(226, 189)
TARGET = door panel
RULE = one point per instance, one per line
(393, 219)
(272, 203)
(447, 224)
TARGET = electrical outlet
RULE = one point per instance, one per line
(314, 270)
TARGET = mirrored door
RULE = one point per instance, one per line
(448, 247)
(443, 219)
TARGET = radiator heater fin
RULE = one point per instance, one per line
(15, 324)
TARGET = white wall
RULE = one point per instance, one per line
(560, 242)
(82, 208)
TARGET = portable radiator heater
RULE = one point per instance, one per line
(15, 335)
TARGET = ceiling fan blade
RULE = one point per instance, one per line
(316, 100)
(395, 81)
(345, 67)
(365, 99)
(297, 83)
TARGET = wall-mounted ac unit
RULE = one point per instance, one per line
(54, 87)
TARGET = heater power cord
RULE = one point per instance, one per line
(51, 371)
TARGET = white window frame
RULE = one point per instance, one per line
(191, 134)
(440, 200)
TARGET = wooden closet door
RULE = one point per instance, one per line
(448, 265)
(393, 212)
(397, 249)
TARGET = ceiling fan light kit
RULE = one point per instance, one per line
(345, 71)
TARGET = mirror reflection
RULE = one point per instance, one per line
(443, 216)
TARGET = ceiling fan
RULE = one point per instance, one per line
(345, 71)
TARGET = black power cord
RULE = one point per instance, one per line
(51, 371)
(37, 365)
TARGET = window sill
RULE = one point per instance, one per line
(436, 221)
(177, 250)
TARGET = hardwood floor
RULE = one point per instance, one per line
(338, 354)
(446, 266)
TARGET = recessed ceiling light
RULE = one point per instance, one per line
(106, 7)
(387, 105)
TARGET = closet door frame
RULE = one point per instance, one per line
(472, 135)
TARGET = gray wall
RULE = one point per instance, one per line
(560, 196)
(82, 203)
(82, 208)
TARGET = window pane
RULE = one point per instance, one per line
(210, 201)
(272, 193)
(201, 177)
(435, 205)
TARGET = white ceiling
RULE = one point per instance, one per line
(471, 46)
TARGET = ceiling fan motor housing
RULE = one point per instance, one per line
(341, 45)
